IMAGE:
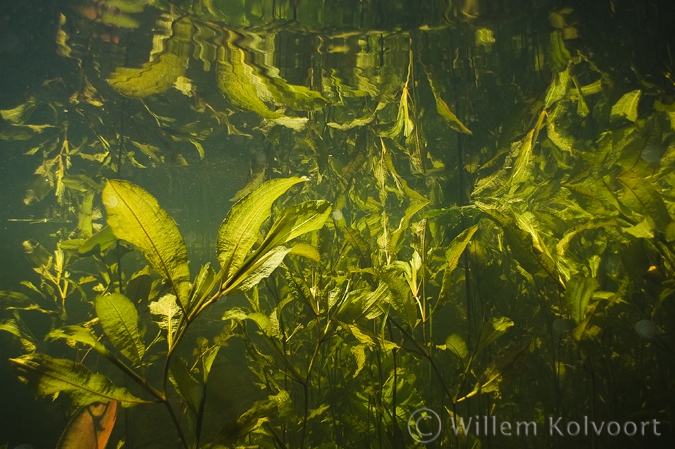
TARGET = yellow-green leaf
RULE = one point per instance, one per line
(187, 386)
(240, 229)
(119, 319)
(456, 344)
(627, 106)
(48, 376)
(492, 330)
(135, 216)
(577, 294)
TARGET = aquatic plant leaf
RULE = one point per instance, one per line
(360, 303)
(522, 168)
(232, 76)
(78, 334)
(559, 56)
(491, 331)
(168, 312)
(256, 416)
(119, 319)
(627, 106)
(10, 300)
(359, 353)
(37, 254)
(401, 299)
(240, 229)
(403, 121)
(97, 243)
(295, 221)
(641, 196)
(263, 266)
(186, 385)
(158, 75)
(153, 78)
(358, 122)
(20, 331)
(203, 285)
(456, 344)
(90, 428)
(135, 216)
(502, 367)
(208, 357)
(394, 243)
(48, 376)
(449, 117)
(452, 255)
(668, 109)
(306, 250)
(19, 114)
(578, 292)
(558, 87)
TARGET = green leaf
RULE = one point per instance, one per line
(401, 299)
(240, 229)
(558, 87)
(203, 285)
(627, 106)
(456, 344)
(295, 221)
(450, 118)
(167, 314)
(17, 329)
(119, 319)
(80, 335)
(452, 255)
(98, 242)
(135, 216)
(48, 376)
(263, 266)
(208, 357)
(306, 250)
(393, 246)
(641, 196)
(491, 331)
(577, 293)
(186, 385)
(256, 416)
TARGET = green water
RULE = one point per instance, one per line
(337, 224)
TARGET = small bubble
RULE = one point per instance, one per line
(337, 215)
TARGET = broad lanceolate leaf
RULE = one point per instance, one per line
(641, 196)
(78, 334)
(135, 216)
(627, 106)
(295, 221)
(491, 331)
(119, 320)
(48, 376)
(17, 329)
(263, 266)
(241, 227)
(579, 290)
(453, 254)
(455, 344)
(187, 386)
(256, 416)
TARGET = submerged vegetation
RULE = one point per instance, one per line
(440, 212)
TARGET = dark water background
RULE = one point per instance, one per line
(627, 36)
